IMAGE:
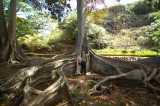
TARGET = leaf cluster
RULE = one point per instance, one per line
(97, 17)
(144, 6)
(156, 29)
(91, 5)
(34, 42)
(70, 28)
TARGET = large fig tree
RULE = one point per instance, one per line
(43, 82)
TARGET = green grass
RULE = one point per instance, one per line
(75, 92)
(126, 52)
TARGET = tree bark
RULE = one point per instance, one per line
(81, 42)
(16, 53)
(3, 35)
(137, 73)
(10, 50)
(22, 87)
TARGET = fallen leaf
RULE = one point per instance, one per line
(112, 101)
(96, 101)
(127, 104)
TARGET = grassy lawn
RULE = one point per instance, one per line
(133, 52)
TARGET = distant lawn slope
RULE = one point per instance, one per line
(126, 52)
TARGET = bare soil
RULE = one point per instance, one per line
(119, 96)
(6, 71)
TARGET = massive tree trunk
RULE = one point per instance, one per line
(3, 35)
(10, 50)
(81, 43)
(16, 53)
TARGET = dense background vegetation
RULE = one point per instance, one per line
(127, 28)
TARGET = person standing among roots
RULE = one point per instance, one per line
(83, 63)
(79, 59)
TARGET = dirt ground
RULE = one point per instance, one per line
(8, 71)
(118, 97)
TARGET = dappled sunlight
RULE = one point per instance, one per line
(32, 70)
(59, 63)
(30, 73)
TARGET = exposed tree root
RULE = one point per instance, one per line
(23, 87)
(27, 80)
(131, 73)
(95, 90)
(153, 74)
(54, 94)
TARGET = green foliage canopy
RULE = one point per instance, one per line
(34, 23)
(70, 27)
(144, 6)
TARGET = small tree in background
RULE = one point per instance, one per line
(156, 30)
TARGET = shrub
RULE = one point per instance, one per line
(59, 46)
(94, 31)
(140, 7)
(121, 40)
(69, 27)
(141, 40)
(156, 29)
(123, 32)
(33, 43)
